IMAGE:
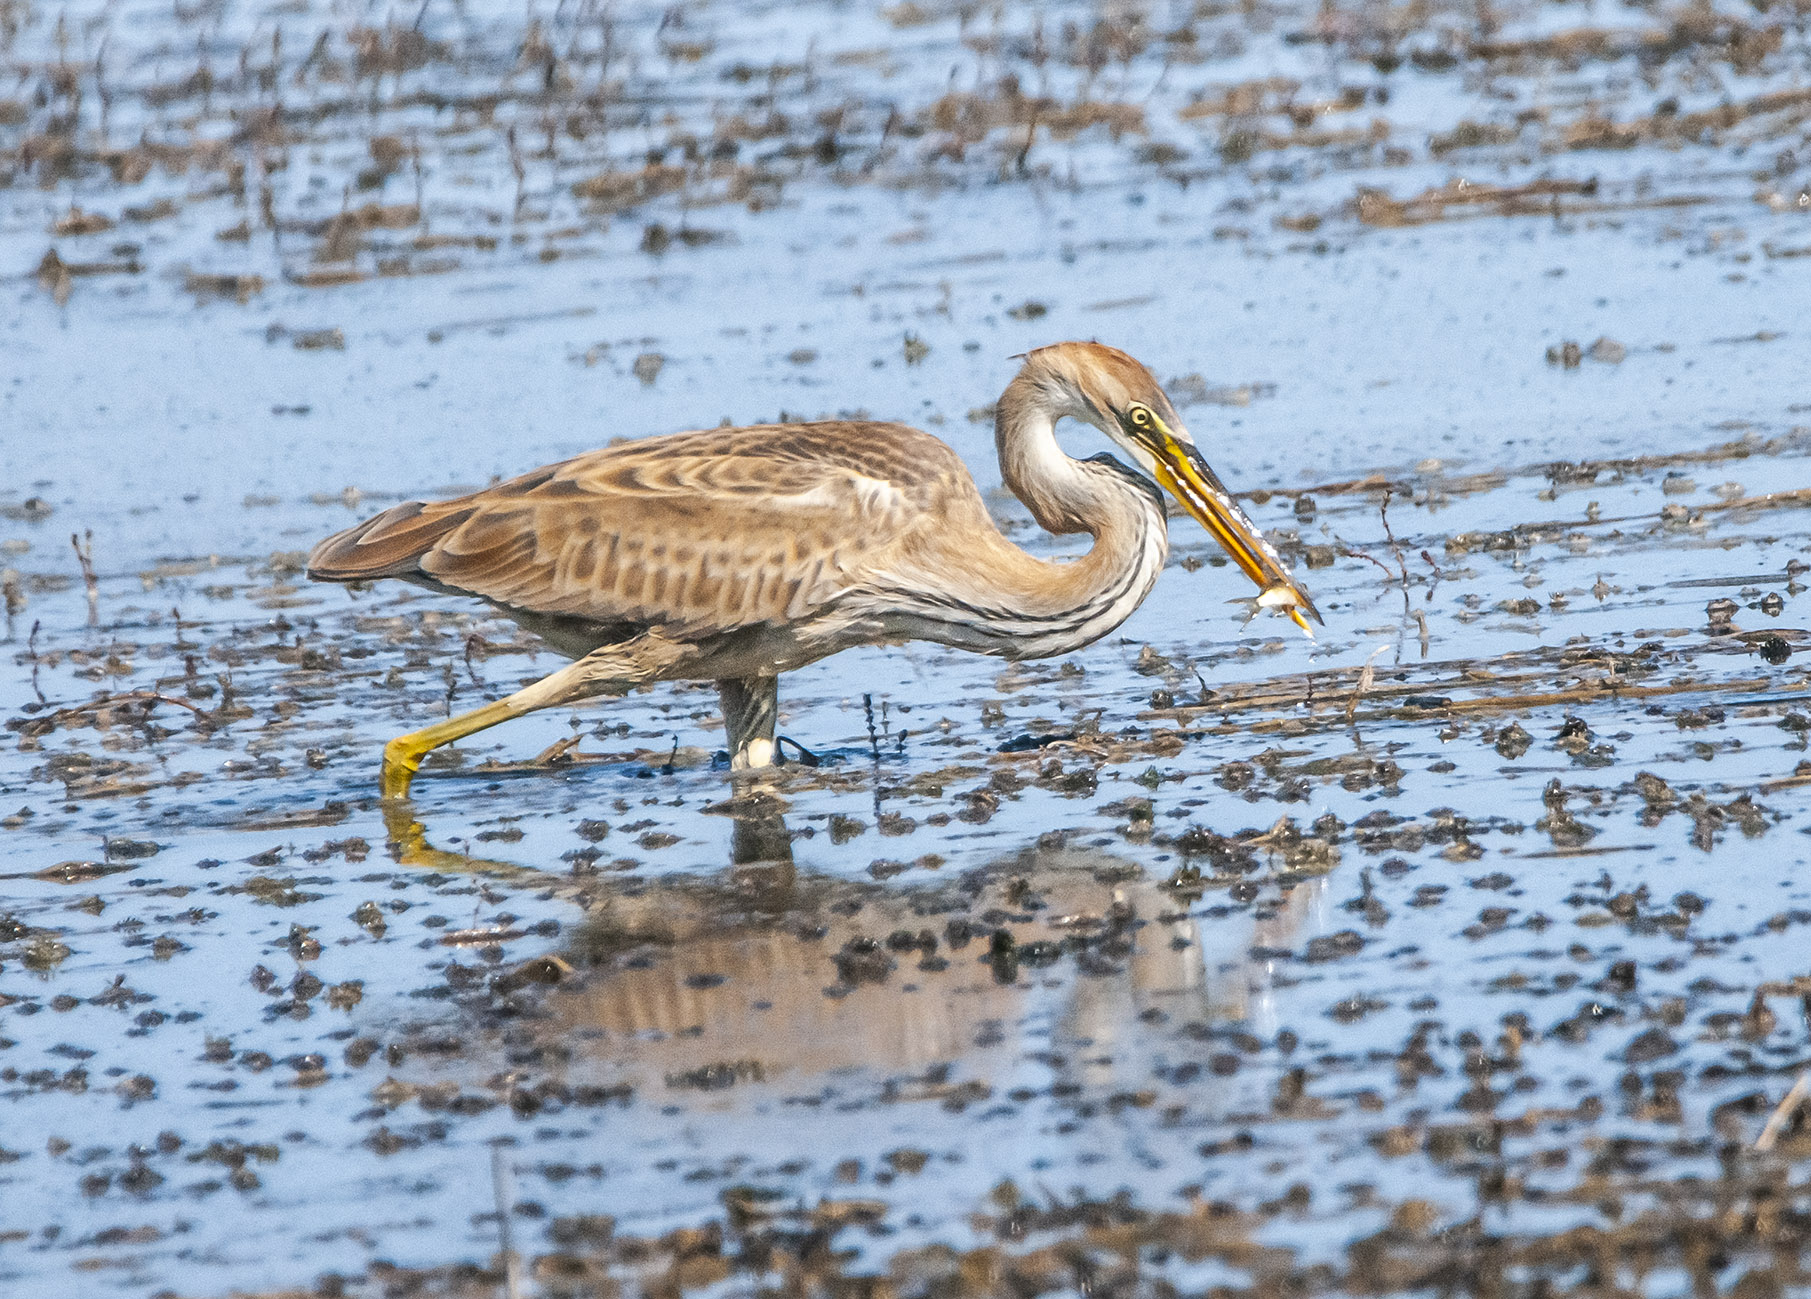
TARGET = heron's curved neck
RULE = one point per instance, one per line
(1062, 495)
(1024, 607)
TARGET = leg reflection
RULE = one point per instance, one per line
(760, 840)
(408, 840)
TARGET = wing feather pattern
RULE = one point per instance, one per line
(698, 533)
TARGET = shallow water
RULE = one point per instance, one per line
(1203, 957)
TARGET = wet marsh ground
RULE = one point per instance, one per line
(1460, 951)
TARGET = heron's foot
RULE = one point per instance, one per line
(402, 759)
(753, 756)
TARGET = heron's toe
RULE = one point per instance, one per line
(804, 757)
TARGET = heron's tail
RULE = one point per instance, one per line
(390, 544)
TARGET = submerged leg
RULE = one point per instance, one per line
(612, 670)
(751, 706)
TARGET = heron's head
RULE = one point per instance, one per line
(1102, 386)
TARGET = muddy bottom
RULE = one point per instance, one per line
(1462, 950)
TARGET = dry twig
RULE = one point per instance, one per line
(147, 697)
(1366, 676)
(1783, 1112)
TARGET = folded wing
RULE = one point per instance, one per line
(697, 533)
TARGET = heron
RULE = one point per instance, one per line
(737, 554)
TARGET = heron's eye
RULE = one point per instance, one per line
(1141, 417)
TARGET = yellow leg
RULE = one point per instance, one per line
(614, 669)
(403, 755)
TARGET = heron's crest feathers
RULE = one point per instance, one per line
(1104, 378)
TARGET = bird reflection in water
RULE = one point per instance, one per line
(769, 973)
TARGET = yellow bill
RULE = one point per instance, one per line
(1186, 476)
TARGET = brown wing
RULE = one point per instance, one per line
(697, 532)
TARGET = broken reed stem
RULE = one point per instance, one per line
(499, 1185)
(1366, 677)
(131, 697)
(1348, 552)
(1783, 1112)
(515, 165)
(867, 703)
(1402, 568)
(1584, 694)
(31, 649)
(1021, 163)
(84, 554)
(474, 643)
(557, 754)
(1717, 454)
(1579, 695)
